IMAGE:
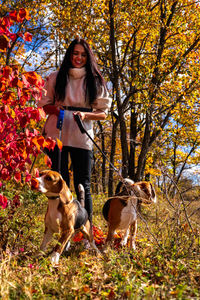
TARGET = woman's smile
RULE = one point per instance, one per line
(78, 57)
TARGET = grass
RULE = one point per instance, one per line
(166, 264)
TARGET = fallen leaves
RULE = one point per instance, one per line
(99, 237)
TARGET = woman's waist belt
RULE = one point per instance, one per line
(76, 108)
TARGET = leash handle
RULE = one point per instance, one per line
(60, 119)
(79, 123)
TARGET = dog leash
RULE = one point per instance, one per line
(83, 130)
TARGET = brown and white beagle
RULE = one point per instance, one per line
(120, 211)
(64, 214)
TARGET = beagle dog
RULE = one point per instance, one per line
(120, 211)
(64, 214)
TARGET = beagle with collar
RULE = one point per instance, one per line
(120, 211)
(64, 214)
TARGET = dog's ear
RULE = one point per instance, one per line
(42, 172)
(65, 194)
(118, 188)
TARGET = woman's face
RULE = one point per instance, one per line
(78, 56)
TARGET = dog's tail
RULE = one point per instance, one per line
(81, 196)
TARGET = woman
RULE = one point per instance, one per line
(78, 88)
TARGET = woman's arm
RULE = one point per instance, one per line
(96, 115)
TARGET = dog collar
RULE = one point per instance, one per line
(53, 197)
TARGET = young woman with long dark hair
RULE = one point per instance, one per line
(78, 88)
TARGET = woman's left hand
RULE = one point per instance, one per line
(80, 114)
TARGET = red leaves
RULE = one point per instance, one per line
(27, 37)
(3, 201)
(59, 143)
(78, 237)
(5, 174)
(6, 22)
(47, 161)
(16, 82)
(7, 97)
(17, 176)
(4, 43)
(99, 236)
(49, 144)
(7, 72)
(34, 79)
(19, 16)
(20, 143)
(23, 14)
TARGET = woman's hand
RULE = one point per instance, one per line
(80, 114)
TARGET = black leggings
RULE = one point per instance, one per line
(81, 163)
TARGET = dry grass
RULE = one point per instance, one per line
(166, 264)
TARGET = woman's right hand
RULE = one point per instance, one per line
(52, 109)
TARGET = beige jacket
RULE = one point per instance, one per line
(74, 96)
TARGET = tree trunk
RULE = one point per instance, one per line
(133, 143)
(144, 149)
(112, 155)
(103, 157)
(116, 87)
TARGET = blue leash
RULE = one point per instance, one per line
(59, 126)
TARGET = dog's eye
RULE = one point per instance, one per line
(48, 178)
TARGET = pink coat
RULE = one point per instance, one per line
(74, 96)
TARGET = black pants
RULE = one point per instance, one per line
(81, 163)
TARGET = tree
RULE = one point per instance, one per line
(20, 142)
(37, 55)
(149, 51)
(162, 69)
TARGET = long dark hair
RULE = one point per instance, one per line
(93, 80)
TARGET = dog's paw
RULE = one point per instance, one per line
(55, 258)
(123, 243)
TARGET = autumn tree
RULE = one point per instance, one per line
(37, 55)
(179, 153)
(149, 51)
(20, 141)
